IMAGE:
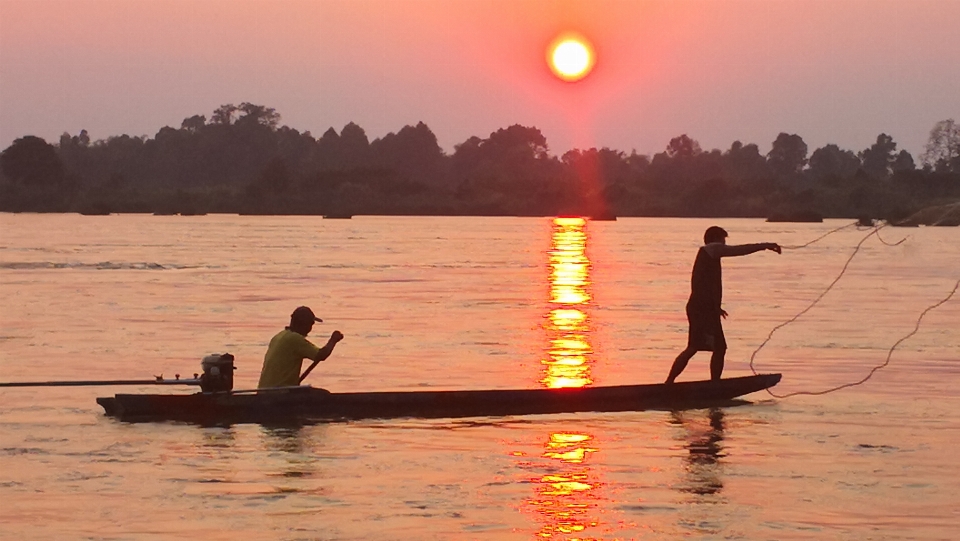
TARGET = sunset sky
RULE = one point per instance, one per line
(831, 71)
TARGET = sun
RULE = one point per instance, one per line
(571, 57)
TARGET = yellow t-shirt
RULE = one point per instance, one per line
(284, 358)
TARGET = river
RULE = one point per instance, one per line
(471, 303)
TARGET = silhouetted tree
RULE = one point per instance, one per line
(257, 115)
(32, 161)
(603, 167)
(903, 161)
(82, 140)
(516, 143)
(830, 163)
(243, 160)
(194, 123)
(512, 151)
(788, 154)
(683, 146)
(298, 150)
(328, 149)
(744, 162)
(225, 114)
(508, 172)
(354, 147)
(637, 163)
(413, 150)
(942, 151)
(467, 155)
(879, 157)
(74, 152)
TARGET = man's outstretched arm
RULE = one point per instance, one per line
(723, 250)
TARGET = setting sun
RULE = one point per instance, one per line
(571, 57)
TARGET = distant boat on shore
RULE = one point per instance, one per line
(95, 209)
(603, 217)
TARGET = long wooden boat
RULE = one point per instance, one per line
(305, 403)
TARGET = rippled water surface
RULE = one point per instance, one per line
(469, 303)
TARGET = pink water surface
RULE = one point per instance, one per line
(465, 303)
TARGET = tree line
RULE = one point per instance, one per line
(242, 160)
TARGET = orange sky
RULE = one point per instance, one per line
(838, 71)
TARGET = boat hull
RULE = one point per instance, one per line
(309, 404)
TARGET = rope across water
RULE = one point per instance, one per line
(875, 231)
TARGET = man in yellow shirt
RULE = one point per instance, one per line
(288, 349)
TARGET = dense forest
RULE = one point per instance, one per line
(242, 160)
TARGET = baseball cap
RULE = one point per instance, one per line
(304, 314)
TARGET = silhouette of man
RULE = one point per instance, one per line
(703, 308)
(288, 349)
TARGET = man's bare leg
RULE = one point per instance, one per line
(680, 364)
(716, 363)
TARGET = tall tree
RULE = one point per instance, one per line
(744, 162)
(225, 114)
(788, 154)
(603, 167)
(683, 146)
(903, 161)
(354, 146)
(258, 115)
(829, 162)
(328, 150)
(32, 161)
(879, 157)
(942, 151)
(194, 123)
(511, 151)
(466, 155)
(413, 150)
(517, 143)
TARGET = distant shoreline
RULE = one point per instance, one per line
(928, 217)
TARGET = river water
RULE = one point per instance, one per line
(470, 303)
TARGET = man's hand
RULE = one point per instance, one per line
(723, 313)
(774, 247)
(335, 337)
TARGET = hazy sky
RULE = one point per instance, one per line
(832, 71)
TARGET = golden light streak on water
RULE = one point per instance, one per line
(567, 497)
(567, 500)
(567, 363)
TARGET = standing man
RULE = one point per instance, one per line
(703, 308)
(288, 349)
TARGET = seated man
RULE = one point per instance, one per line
(288, 349)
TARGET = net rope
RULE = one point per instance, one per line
(874, 231)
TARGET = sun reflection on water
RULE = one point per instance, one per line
(567, 496)
(567, 324)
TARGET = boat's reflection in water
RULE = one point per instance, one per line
(703, 439)
(294, 447)
(566, 501)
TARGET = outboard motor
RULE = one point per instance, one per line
(217, 373)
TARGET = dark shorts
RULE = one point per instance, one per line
(706, 332)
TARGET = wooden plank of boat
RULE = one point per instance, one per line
(308, 403)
